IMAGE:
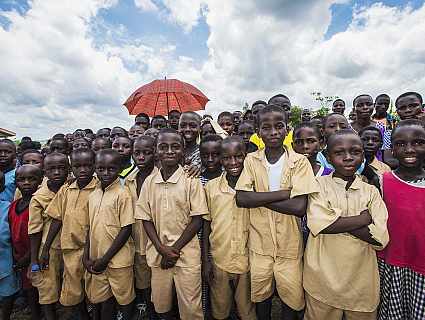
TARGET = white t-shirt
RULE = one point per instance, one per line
(275, 172)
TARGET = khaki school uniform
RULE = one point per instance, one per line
(229, 250)
(110, 210)
(340, 271)
(142, 271)
(275, 239)
(69, 207)
(46, 281)
(170, 205)
(379, 167)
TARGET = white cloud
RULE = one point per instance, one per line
(58, 75)
(146, 5)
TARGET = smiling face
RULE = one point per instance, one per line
(272, 128)
(345, 153)
(82, 166)
(107, 167)
(28, 178)
(144, 154)
(363, 107)
(7, 156)
(233, 156)
(307, 142)
(169, 148)
(56, 168)
(210, 155)
(189, 127)
(409, 146)
(338, 107)
(409, 107)
(158, 123)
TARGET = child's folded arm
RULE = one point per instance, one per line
(296, 206)
(364, 234)
(252, 199)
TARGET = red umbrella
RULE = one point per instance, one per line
(161, 96)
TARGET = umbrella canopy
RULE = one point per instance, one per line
(161, 96)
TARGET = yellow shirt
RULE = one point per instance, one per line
(379, 167)
(69, 206)
(255, 138)
(341, 270)
(229, 227)
(170, 205)
(271, 233)
(38, 220)
(139, 234)
(110, 210)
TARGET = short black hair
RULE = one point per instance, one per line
(268, 109)
(410, 93)
(82, 138)
(407, 123)
(108, 129)
(232, 139)
(38, 171)
(59, 136)
(88, 131)
(309, 125)
(57, 154)
(193, 113)
(383, 95)
(279, 95)
(31, 151)
(108, 152)
(335, 101)
(125, 137)
(225, 114)
(172, 131)
(344, 132)
(78, 152)
(107, 140)
(361, 95)
(174, 111)
(142, 115)
(370, 128)
(211, 138)
(158, 116)
(259, 102)
(9, 142)
(325, 119)
(145, 138)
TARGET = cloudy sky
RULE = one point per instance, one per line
(68, 64)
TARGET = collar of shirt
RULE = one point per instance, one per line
(173, 179)
(92, 184)
(112, 185)
(224, 185)
(355, 185)
(126, 171)
(290, 157)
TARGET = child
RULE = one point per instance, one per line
(317, 121)
(225, 120)
(210, 150)
(347, 220)
(237, 117)
(109, 249)
(118, 132)
(171, 209)
(124, 146)
(363, 106)
(33, 157)
(81, 144)
(402, 263)
(135, 131)
(103, 133)
(173, 119)
(382, 117)
(152, 132)
(372, 143)
(142, 119)
(226, 235)
(101, 144)
(189, 128)
(159, 122)
(67, 212)
(275, 180)
(28, 178)
(338, 106)
(144, 159)
(409, 105)
(245, 130)
(59, 145)
(46, 277)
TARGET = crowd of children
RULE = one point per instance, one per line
(186, 217)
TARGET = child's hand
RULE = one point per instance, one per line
(207, 273)
(44, 259)
(169, 252)
(367, 217)
(99, 266)
(168, 263)
(88, 264)
(192, 171)
(20, 264)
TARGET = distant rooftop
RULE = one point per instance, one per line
(4, 133)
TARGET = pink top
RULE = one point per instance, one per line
(406, 223)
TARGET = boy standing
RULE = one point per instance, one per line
(171, 210)
(46, 277)
(275, 180)
(109, 250)
(68, 212)
(226, 235)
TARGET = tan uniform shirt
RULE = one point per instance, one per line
(170, 205)
(39, 221)
(271, 233)
(69, 206)
(110, 210)
(341, 270)
(229, 227)
(139, 233)
(379, 167)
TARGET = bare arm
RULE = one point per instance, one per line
(188, 233)
(364, 234)
(54, 228)
(206, 240)
(347, 224)
(35, 242)
(253, 199)
(296, 206)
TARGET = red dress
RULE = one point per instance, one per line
(18, 224)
